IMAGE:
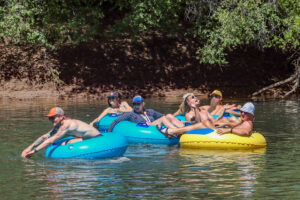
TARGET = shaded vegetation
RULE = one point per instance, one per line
(141, 44)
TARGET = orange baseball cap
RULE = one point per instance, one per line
(216, 92)
(55, 111)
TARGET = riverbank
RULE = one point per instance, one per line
(18, 90)
(154, 66)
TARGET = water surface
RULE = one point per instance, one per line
(150, 171)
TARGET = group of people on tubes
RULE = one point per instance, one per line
(196, 117)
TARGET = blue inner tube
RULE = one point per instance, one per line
(202, 131)
(105, 122)
(106, 146)
(142, 133)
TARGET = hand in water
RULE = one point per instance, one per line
(27, 154)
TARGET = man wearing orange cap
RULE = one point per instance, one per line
(62, 126)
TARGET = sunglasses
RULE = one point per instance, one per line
(136, 104)
(51, 118)
(215, 96)
(244, 112)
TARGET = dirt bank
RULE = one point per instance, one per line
(155, 66)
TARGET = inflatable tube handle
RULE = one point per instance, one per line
(226, 114)
(187, 123)
(113, 115)
(142, 124)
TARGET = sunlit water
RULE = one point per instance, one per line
(150, 171)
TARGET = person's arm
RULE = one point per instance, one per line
(222, 111)
(35, 143)
(178, 112)
(210, 117)
(212, 106)
(197, 114)
(188, 117)
(227, 122)
(60, 133)
(100, 116)
(128, 107)
(231, 111)
(156, 115)
(124, 117)
(242, 130)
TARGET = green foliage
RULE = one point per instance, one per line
(154, 15)
(236, 24)
(49, 22)
(220, 25)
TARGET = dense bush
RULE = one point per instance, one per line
(220, 26)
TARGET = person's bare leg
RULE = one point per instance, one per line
(234, 120)
(174, 120)
(163, 120)
(208, 124)
(174, 131)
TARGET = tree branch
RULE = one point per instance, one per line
(291, 78)
(295, 77)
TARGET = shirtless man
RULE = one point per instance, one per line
(243, 128)
(62, 126)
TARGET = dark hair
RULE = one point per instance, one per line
(114, 97)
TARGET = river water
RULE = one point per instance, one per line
(150, 171)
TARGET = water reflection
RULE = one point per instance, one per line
(232, 170)
(71, 179)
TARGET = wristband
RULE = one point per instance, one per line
(231, 130)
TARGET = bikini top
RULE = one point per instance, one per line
(121, 105)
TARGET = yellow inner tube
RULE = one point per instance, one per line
(226, 141)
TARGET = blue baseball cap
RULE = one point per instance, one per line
(137, 99)
(248, 108)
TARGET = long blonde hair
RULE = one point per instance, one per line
(184, 107)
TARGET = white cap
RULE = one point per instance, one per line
(248, 108)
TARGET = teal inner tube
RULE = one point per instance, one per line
(103, 124)
(106, 146)
(142, 133)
